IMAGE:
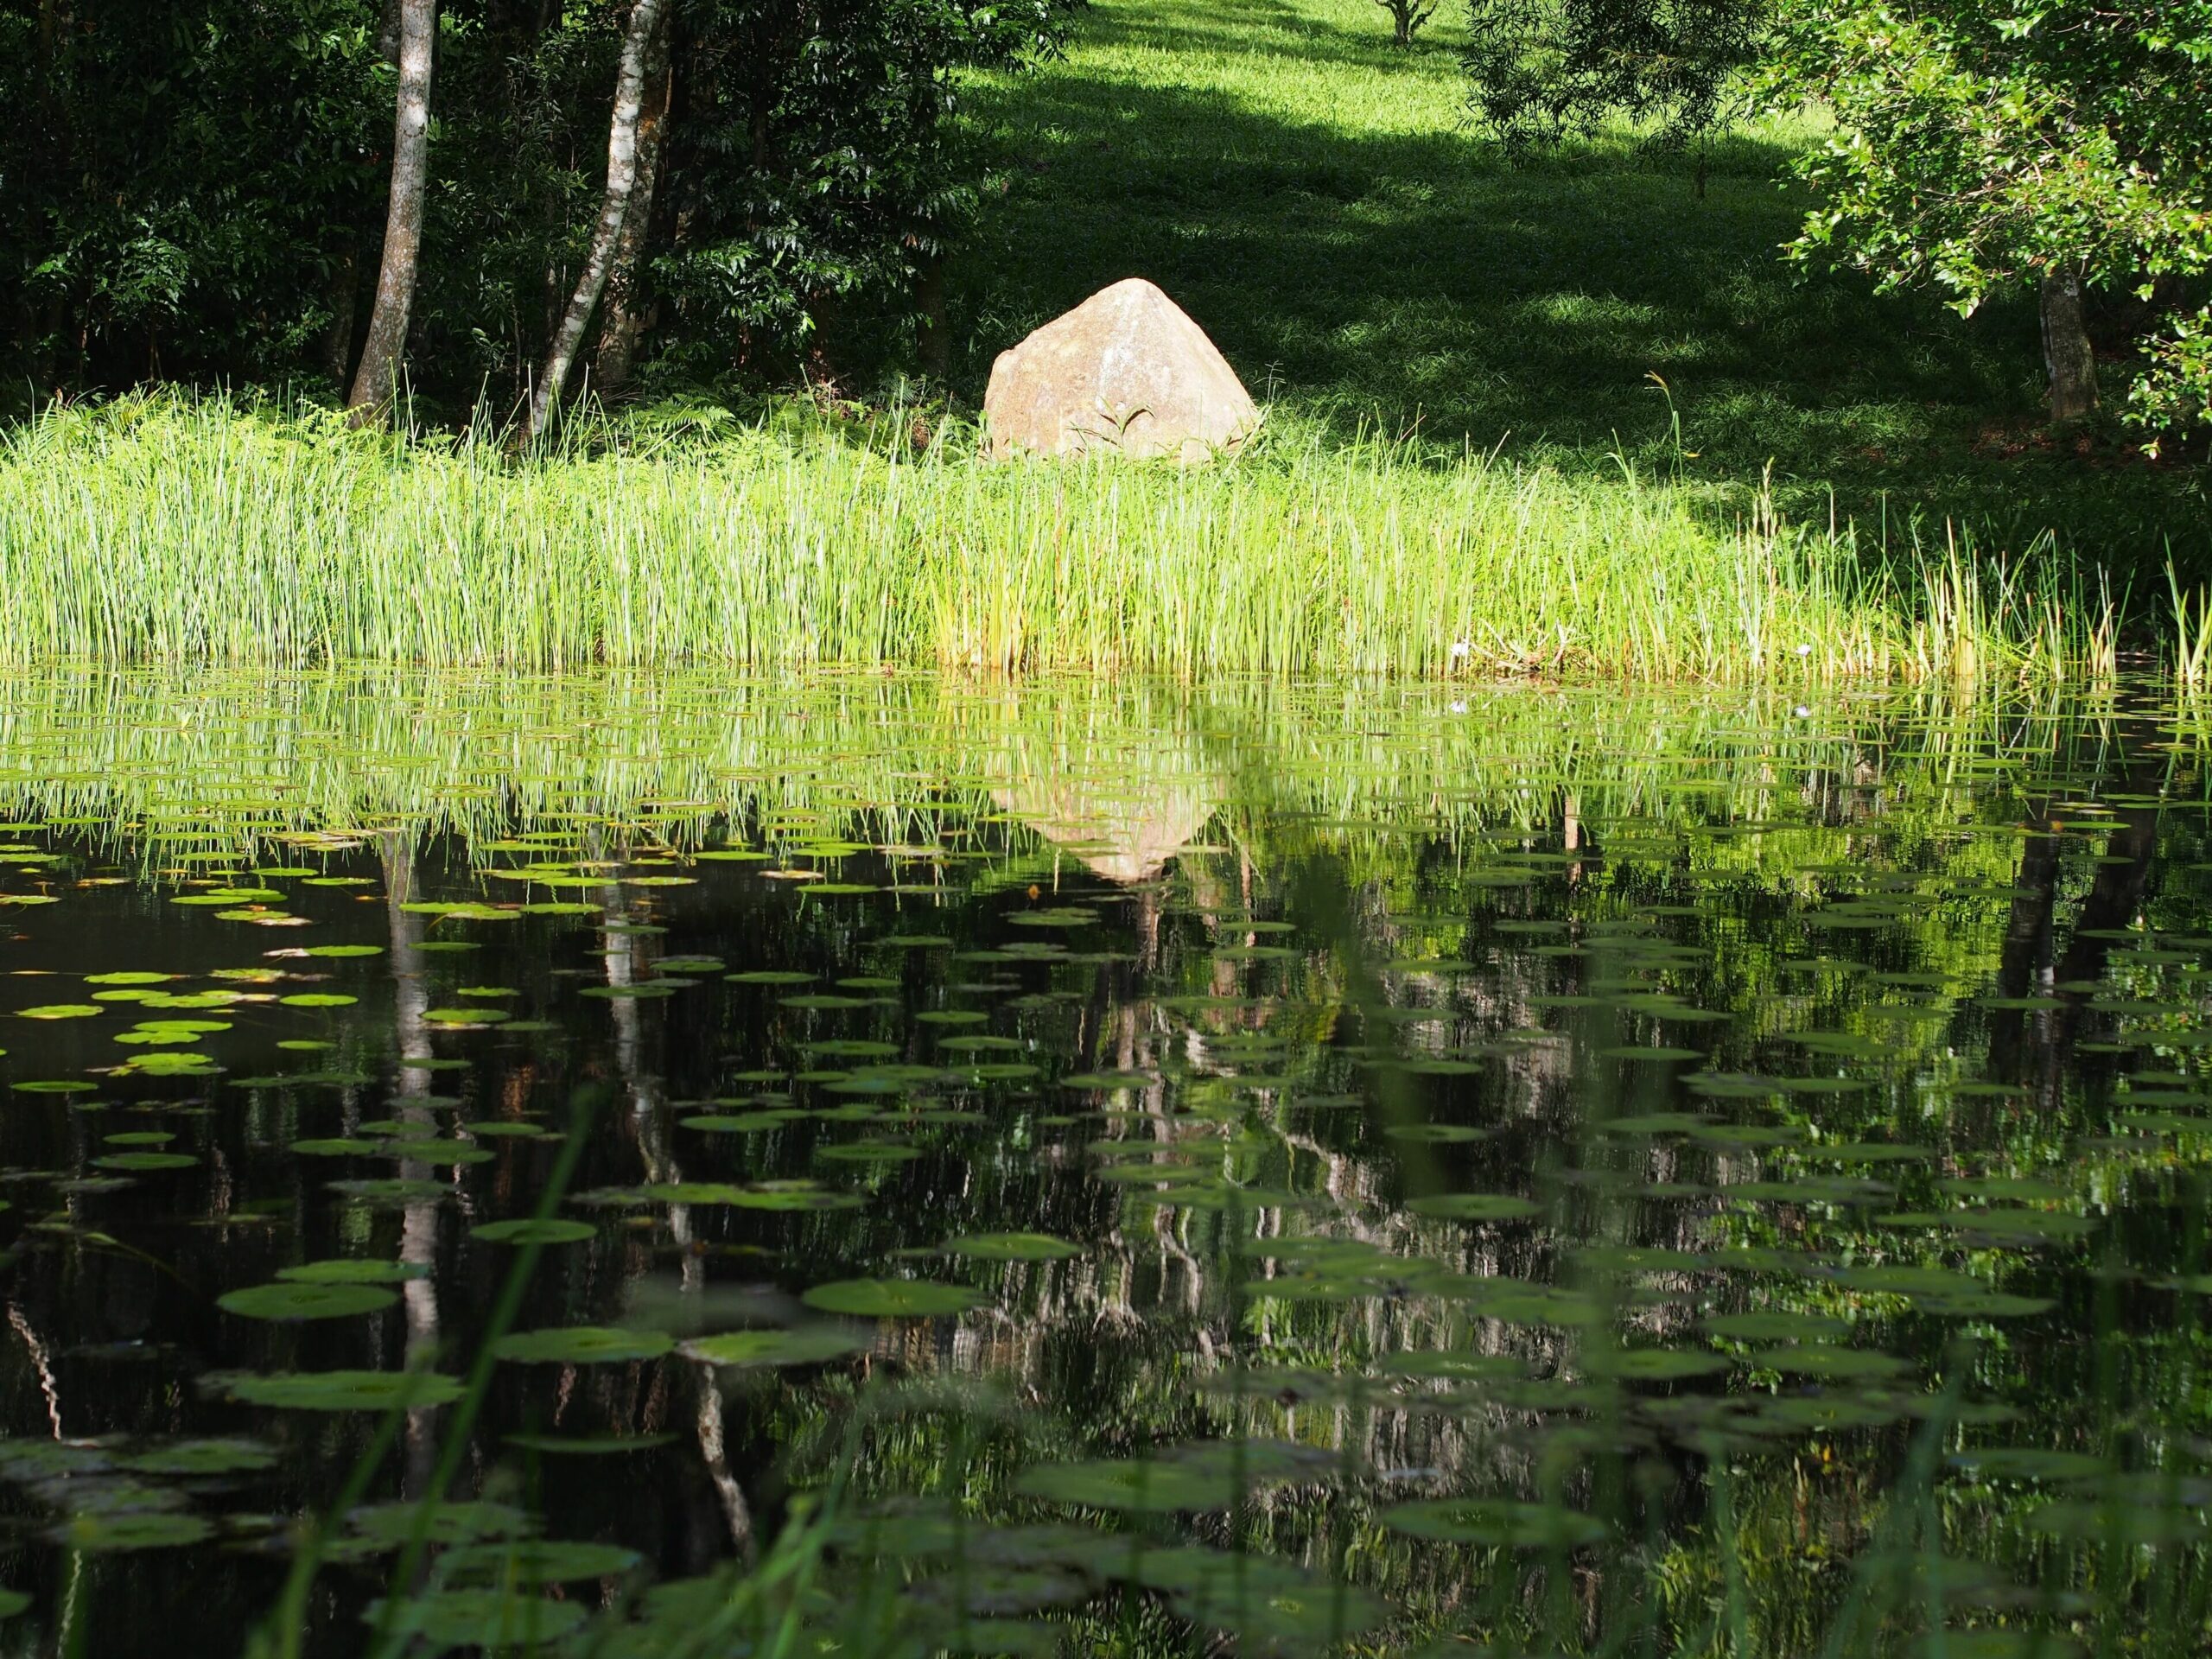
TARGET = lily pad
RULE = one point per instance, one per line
(344, 1390)
(1473, 1206)
(583, 1345)
(197, 1458)
(1211, 1475)
(103, 1533)
(809, 1345)
(1012, 1246)
(354, 1270)
(530, 1230)
(893, 1299)
(497, 1620)
(1498, 1523)
(311, 1299)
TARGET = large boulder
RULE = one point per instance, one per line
(1125, 373)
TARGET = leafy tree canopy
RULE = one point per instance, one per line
(1979, 146)
(1543, 69)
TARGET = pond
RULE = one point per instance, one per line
(885, 1166)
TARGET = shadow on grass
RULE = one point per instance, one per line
(1366, 270)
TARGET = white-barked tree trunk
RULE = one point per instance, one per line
(645, 20)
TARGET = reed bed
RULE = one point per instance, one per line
(165, 529)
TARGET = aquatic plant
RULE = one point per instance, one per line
(175, 531)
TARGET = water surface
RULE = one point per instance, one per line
(1101, 1169)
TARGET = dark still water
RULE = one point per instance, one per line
(878, 1166)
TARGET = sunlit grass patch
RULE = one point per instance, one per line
(167, 530)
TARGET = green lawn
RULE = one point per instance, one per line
(1316, 198)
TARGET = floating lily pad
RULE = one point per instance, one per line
(876, 1151)
(1431, 1365)
(1473, 1206)
(2029, 1463)
(199, 1458)
(1437, 1135)
(1831, 1364)
(1210, 1475)
(393, 1193)
(810, 1346)
(138, 1163)
(99, 1533)
(1653, 1364)
(1272, 1604)
(893, 1299)
(537, 1560)
(497, 1620)
(1012, 1246)
(1501, 1523)
(309, 1299)
(590, 1445)
(344, 1389)
(354, 1270)
(583, 1345)
(1776, 1326)
(2128, 1525)
(532, 1231)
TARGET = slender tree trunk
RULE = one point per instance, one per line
(337, 342)
(623, 319)
(2066, 349)
(936, 341)
(402, 228)
(622, 182)
(50, 152)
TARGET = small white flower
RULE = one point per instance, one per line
(1459, 707)
(1801, 712)
(1461, 650)
(1804, 651)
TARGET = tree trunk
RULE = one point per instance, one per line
(338, 341)
(402, 228)
(39, 331)
(2066, 349)
(624, 320)
(936, 341)
(621, 182)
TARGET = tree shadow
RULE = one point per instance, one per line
(1570, 308)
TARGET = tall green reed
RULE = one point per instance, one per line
(166, 530)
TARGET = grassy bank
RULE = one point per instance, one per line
(1316, 198)
(176, 531)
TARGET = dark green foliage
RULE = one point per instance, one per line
(182, 179)
(1543, 69)
(814, 176)
(196, 190)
